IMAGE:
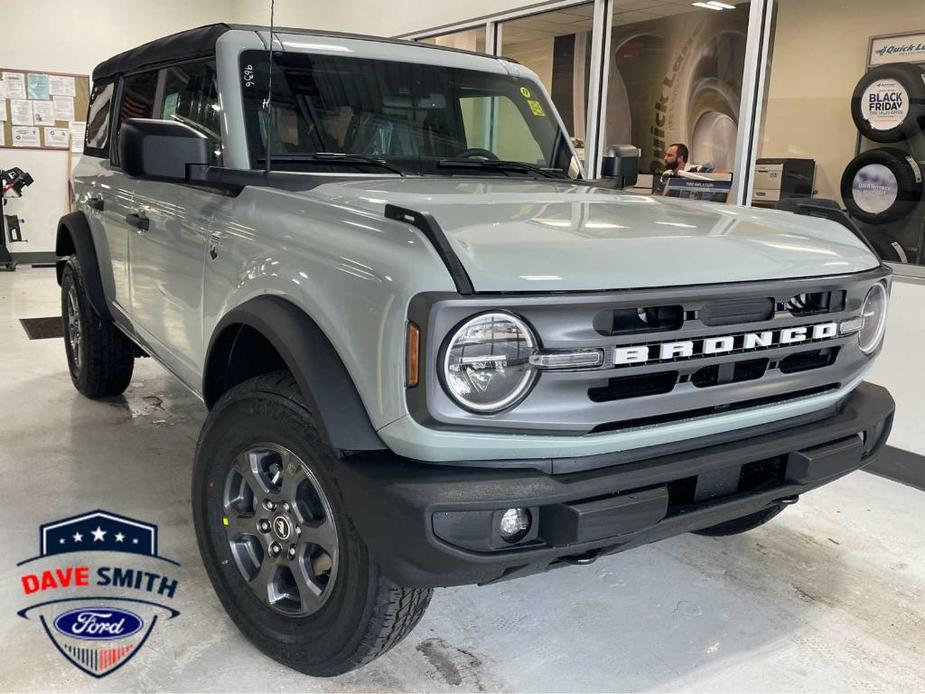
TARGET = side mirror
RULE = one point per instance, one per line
(160, 149)
(621, 163)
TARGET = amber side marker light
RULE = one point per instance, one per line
(413, 351)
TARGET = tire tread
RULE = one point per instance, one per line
(394, 610)
(109, 355)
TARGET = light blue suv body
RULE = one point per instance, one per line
(478, 332)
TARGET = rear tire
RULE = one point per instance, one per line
(100, 357)
(262, 474)
(740, 525)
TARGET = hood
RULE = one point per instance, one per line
(525, 235)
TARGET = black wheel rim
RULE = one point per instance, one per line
(280, 530)
(73, 326)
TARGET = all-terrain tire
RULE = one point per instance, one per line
(882, 185)
(740, 525)
(102, 358)
(366, 613)
(888, 103)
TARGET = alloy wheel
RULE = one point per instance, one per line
(73, 326)
(280, 529)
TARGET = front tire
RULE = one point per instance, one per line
(278, 543)
(100, 357)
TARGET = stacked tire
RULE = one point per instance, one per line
(884, 185)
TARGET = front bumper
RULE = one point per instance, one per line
(434, 525)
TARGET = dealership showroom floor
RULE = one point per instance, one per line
(583, 320)
(830, 596)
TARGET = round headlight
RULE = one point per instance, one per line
(873, 314)
(486, 366)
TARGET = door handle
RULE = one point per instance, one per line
(96, 203)
(138, 221)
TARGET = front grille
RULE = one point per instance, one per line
(815, 303)
(635, 386)
(715, 409)
(806, 361)
(727, 363)
(737, 311)
(732, 372)
(638, 319)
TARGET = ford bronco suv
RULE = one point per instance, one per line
(433, 352)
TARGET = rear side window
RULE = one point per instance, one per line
(138, 95)
(99, 116)
(191, 97)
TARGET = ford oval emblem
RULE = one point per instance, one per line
(98, 623)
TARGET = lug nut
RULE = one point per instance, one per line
(264, 525)
(275, 549)
(269, 505)
(292, 551)
(285, 506)
(298, 530)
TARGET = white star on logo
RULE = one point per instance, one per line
(119, 537)
(78, 537)
(61, 541)
(98, 534)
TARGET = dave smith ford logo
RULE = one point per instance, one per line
(98, 613)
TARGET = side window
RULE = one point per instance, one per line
(138, 94)
(99, 116)
(191, 97)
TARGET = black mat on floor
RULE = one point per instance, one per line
(43, 328)
(901, 466)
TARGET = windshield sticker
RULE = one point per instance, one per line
(536, 107)
(526, 92)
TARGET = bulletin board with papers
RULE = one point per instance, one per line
(43, 110)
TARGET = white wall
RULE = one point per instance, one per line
(73, 37)
(381, 17)
(901, 365)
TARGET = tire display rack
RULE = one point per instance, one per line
(883, 187)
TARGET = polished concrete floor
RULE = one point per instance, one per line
(828, 597)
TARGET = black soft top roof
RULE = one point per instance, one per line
(198, 43)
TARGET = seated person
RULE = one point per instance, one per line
(676, 157)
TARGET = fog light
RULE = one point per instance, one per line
(514, 524)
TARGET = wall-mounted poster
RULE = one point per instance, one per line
(64, 107)
(25, 137)
(15, 84)
(61, 85)
(43, 113)
(42, 108)
(37, 86)
(56, 137)
(78, 135)
(21, 111)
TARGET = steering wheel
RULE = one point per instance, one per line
(473, 152)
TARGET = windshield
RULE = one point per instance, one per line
(418, 118)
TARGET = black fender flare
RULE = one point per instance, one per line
(74, 238)
(329, 392)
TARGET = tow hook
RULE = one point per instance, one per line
(789, 500)
(583, 559)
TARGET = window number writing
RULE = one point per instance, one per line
(248, 75)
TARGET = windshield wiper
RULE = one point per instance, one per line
(335, 158)
(501, 165)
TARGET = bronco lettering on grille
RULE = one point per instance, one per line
(709, 346)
